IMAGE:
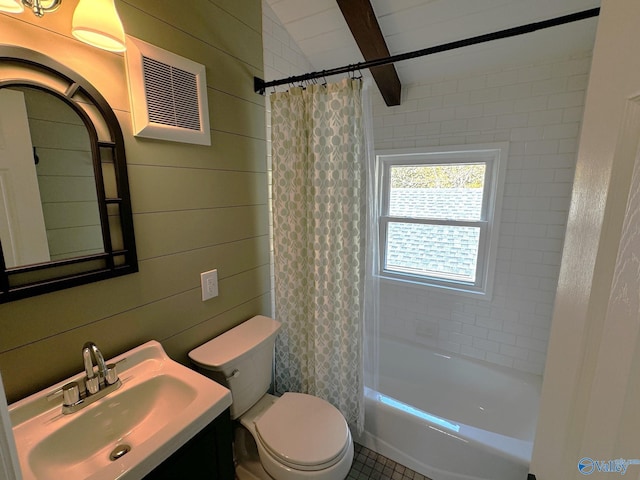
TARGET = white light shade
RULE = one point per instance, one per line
(97, 23)
(11, 6)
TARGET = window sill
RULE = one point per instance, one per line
(436, 288)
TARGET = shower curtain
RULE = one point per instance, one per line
(319, 156)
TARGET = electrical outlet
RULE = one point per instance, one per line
(209, 284)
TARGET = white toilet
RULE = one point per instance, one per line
(293, 437)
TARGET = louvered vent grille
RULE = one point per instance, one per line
(172, 95)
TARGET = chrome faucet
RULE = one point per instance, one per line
(90, 350)
(78, 394)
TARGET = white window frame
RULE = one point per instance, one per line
(494, 155)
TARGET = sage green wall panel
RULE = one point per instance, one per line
(235, 115)
(158, 278)
(174, 314)
(206, 22)
(167, 188)
(197, 207)
(227, 152)
(179, 345)
(223, 70)
(246, 12)
(114, 335)
(166, 233)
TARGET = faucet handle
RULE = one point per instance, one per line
(111, 375)
(70, 394)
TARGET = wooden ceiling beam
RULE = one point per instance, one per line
(365, 29)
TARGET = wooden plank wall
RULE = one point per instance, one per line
(195, 207)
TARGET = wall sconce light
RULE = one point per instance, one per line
(38, 7)
(95, 22)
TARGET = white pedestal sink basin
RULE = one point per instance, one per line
(159, 407)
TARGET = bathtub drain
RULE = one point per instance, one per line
(119, 451)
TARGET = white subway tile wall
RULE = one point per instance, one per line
(538, 110)
(282, 56)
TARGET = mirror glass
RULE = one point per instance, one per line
(48, 200)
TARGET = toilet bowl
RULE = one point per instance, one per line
(293, 437)
(293, 444)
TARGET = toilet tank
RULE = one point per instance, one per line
(240, 359)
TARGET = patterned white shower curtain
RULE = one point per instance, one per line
(319, 223)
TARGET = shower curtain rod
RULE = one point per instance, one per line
(260, 85)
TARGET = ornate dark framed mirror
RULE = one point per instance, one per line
(65, 208)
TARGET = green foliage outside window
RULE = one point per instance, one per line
(438, 176)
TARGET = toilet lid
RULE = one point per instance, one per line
(303, 431)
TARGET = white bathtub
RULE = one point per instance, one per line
(449, 417)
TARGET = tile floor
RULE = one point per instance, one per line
(368, 464)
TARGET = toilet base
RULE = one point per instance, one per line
(251, 472)
(248, 465)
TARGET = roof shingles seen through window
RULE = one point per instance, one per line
(423, 248)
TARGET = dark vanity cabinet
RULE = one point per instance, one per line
(207, 456)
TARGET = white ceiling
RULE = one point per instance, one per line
(407, 25)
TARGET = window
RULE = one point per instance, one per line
(440, 215)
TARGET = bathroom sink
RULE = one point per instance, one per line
(160, 406)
